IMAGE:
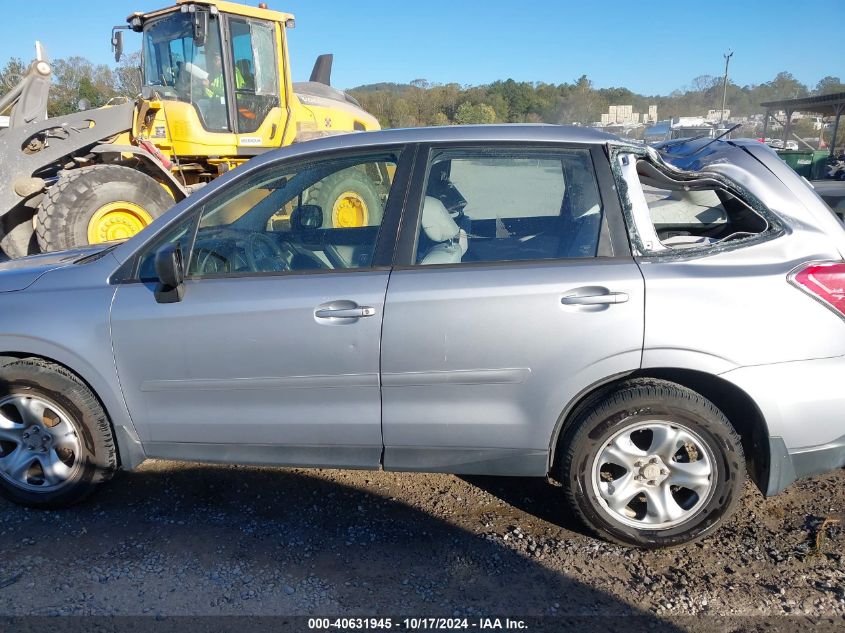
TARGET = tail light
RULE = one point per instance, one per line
(823, 281)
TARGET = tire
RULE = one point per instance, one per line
(78, 430)
(327, 192)
(609, 452)
(18, 233)
(69, 205)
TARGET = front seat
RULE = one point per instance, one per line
(439, 227)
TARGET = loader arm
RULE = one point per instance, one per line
(28, 99)
(26, 151)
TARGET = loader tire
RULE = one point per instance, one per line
(18, 233)
(349, 199)
(97, 204)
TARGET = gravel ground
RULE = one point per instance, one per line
(178, 539)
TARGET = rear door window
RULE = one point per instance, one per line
(506, 205)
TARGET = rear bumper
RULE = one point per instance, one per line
(803, 404)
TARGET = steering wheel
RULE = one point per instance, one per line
(209, 262)
(264, 254)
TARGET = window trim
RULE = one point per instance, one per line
(613, 238)
(384, 250)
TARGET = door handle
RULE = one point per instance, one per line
(595, 300)
(345, 313)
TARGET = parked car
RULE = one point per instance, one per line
(644, 325)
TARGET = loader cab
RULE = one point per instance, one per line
(218, 75)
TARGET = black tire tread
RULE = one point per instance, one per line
(62, 199)
(358, 181)
(622, 396)
(95, 420)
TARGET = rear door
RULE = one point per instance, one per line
(500, 312)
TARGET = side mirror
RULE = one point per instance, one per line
(171, 274)
(200, 27)
(117, 43)
(83, 105)
(306, 217)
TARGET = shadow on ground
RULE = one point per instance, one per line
(189, 539)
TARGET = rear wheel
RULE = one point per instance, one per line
(103, 203)
(652, 464)
(56, 443)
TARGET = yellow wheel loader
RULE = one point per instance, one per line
(216, 92)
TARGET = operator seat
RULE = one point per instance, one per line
(439, 227)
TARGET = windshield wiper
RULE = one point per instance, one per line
(681, 141)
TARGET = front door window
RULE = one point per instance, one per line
(309, 217)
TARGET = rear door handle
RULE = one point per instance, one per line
(595, 300)
(343, 310)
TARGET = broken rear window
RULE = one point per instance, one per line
(674, 214)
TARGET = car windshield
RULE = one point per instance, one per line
(180, 70)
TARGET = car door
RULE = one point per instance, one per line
(515, 291)
(272, 354)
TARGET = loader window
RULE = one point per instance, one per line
(255, 71)
(179, 70)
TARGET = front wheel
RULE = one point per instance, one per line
(56, 442)
(652, 464)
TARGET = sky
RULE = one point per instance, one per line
(650, 46)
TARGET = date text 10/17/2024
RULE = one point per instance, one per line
(416, 624)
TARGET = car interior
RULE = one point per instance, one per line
(268, 227)
(453, 230)
(279, 232)
(690, 213)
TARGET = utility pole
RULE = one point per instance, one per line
(728, 56)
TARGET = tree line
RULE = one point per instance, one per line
(423, 103)
(76, 78)
(509, 101)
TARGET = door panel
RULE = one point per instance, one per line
(246, 361)
(482, 361)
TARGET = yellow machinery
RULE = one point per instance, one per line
(216, 92)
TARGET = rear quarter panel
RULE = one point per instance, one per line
(737, 308)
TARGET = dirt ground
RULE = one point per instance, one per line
(176, 539)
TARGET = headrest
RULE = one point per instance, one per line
(436, 221)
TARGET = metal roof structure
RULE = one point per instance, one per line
(826, 105)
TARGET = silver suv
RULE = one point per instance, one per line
(648, 327)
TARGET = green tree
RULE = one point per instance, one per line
(127, 75)
(77, 78)
(441, 119)
(11, 74)
(829, 85)
(469, 114)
